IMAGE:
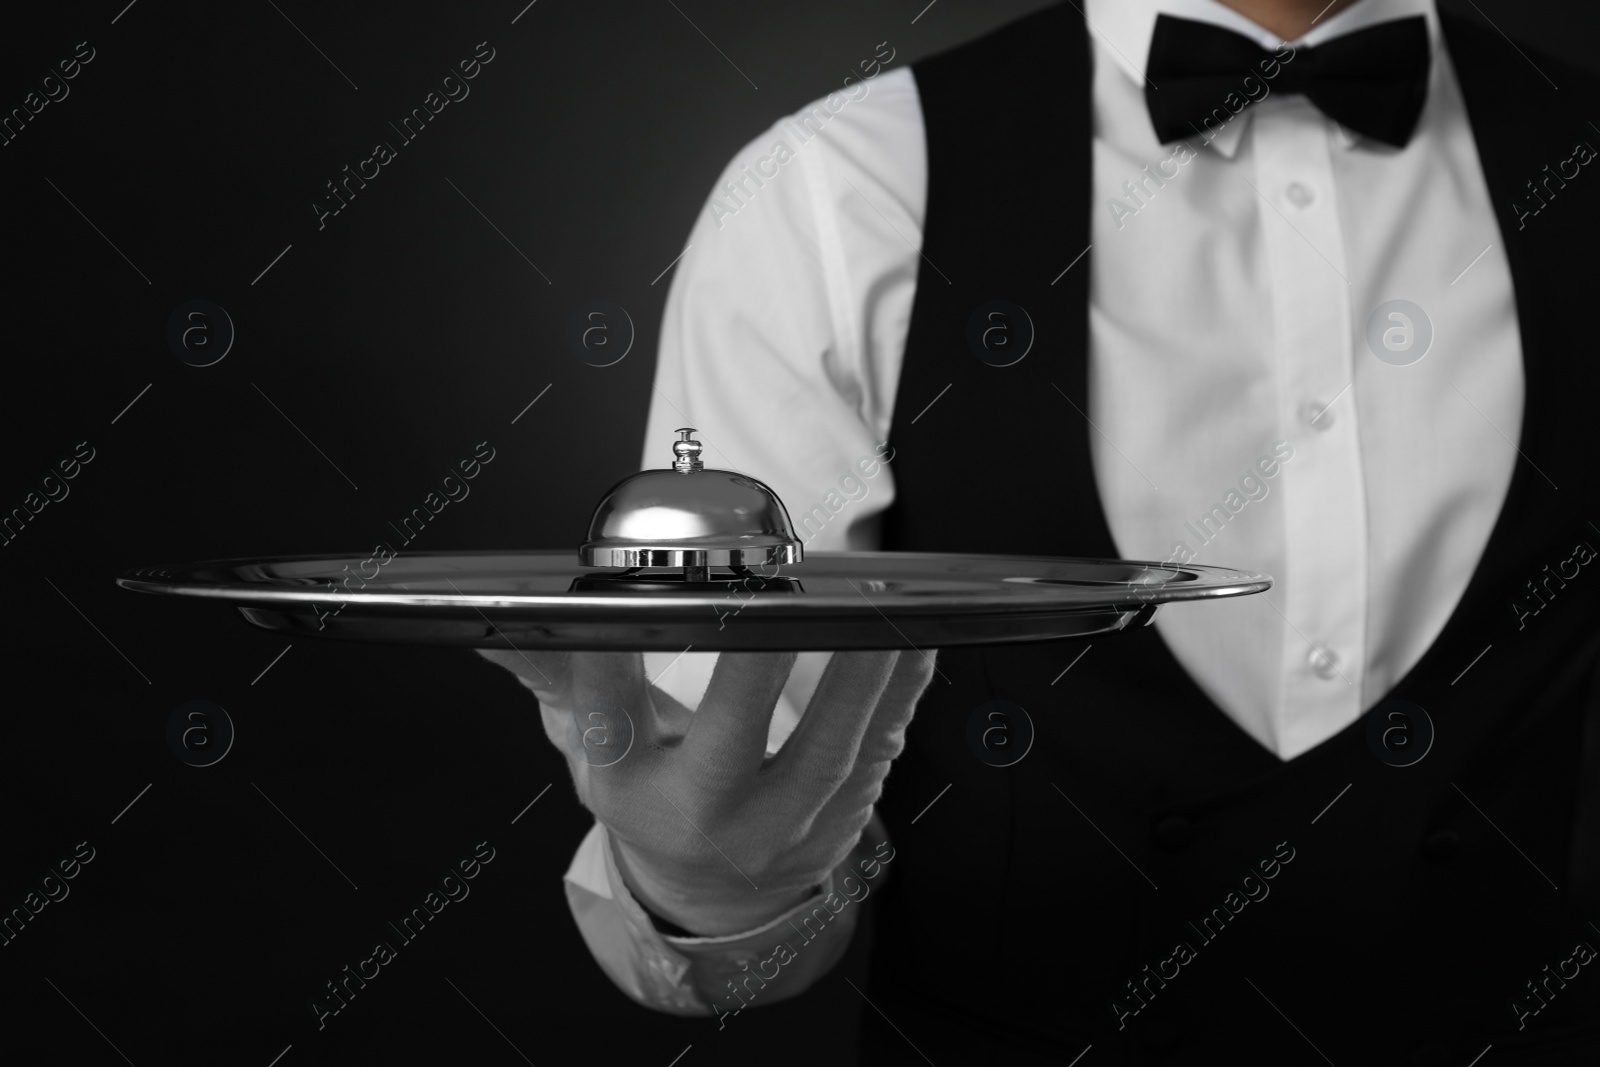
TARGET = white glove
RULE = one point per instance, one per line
(710, 834)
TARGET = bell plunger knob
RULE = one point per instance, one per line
(686, 451)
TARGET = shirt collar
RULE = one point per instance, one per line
(1124, 28)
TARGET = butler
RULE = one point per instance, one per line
(1073, 351)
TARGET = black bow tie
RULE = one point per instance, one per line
(1373, 81)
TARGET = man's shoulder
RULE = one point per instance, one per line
(874, 106)
(789, 190)
(868, 132)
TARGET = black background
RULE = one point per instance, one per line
(396, 339)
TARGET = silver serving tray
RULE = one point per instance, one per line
(847, 600)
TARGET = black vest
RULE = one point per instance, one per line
(1112, 888)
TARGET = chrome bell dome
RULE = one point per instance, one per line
(689, 516)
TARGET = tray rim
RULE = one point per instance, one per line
(1210, 582)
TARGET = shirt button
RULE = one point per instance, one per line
(1299, 195)
(1324, 664)
(1316, 414)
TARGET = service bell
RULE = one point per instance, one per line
(689, 518)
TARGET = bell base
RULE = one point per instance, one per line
(851, 600)
(592, 555)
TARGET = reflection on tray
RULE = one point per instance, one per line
(734, 580)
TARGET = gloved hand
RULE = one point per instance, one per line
(709, 832)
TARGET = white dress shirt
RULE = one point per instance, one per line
(1228, 312)
(1229, 315)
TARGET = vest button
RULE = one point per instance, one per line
(1160, 1035)
(1432, 1054)
(1174, 832)
(1441, 846)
